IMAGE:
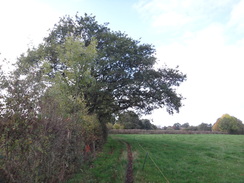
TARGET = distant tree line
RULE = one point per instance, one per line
(130, 120)
(226, 123)
(187, 126)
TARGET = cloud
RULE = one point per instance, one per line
(214, 70)
(236, 20)
(170, 19)
(22, 23)
(178, 13)
(162, 13)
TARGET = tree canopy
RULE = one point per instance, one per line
(229, 124)
(121, 76)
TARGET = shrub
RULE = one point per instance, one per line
(118, 126)
(109, 126)
(44, 135)
(47, 147)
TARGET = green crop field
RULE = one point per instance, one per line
(171, 158)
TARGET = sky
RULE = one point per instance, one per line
(203, 37)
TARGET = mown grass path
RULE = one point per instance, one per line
(129, 170)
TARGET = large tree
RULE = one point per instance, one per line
(229, 124)
(122, 75)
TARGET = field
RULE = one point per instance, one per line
(169, 158)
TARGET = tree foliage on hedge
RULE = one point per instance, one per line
(229, 124)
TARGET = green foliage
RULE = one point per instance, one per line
(109, 126)
(45, 125)
(118, 126)
(109, 166)
(204, 127)
(77, 60)
(130, 120)
(229, 124)
(39, 150)
(109, 70)
(2, 81)
(123, 69)
(176, 126)
(146, 124)
(45, 146)
(185, 125)
(62, 94)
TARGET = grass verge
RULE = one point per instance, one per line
(109, 166)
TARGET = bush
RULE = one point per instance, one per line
(47, 147)
(109, 126)
(44, 137)
(118, 126)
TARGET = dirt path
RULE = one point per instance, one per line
(129, 171)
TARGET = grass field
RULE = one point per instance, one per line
(171, 158)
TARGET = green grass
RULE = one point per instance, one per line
(173, 157)
(109, 166)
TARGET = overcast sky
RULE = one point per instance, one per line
(203, 37)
